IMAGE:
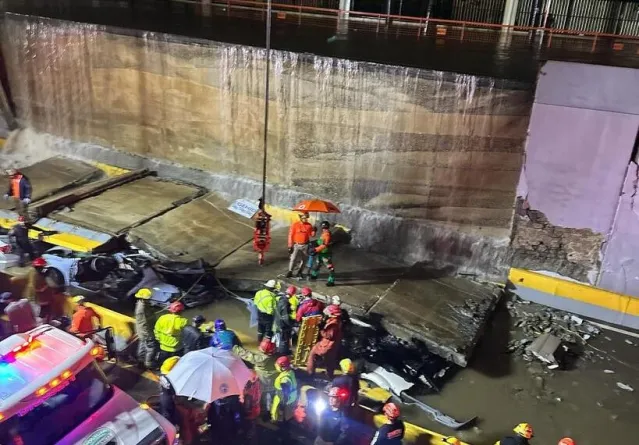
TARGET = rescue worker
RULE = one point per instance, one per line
(323, 255)
(167, 392)
(566, 441)
(193, 338)
(309, 305)
(144, 322)
(224, 416)
(333, 423)
(293, 300)
(283, 323)
(349, 381)
(524, 433)
(19, 189)
(224, 338)
(251, 408)
(20, 313)
(264, 301)
(84, 318)
(392, 432)
(328, 345)
(285, 398)
(262, 361)
(19, 236)
(168, 331)
(37, 288)
(299, 237)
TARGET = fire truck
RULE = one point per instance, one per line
(52, 391)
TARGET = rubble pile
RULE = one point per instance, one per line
(535, 322)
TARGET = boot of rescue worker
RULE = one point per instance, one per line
(392, 431)
(331, 278)
(285, 398)
(523, 433)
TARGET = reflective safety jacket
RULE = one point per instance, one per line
(19, 187)
(323, 243)
(265, 301)
(168, 331)
(300, 233)
(264, 365)
(389, 434)
(286, 386)
(294, 301)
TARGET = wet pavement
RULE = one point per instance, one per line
(486, 54)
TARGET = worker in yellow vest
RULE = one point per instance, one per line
(264, 301)
(285, 398)
(168, 331)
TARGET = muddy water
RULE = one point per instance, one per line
(583, 403)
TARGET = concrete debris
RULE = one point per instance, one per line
(609, 371)
(625, 387)
(545, 334)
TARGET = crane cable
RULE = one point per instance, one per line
(266, 96)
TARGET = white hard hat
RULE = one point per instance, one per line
(270, 283)
(336, 300)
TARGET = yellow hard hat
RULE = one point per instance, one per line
(347, 366)
(452, 441)
(144, 294)
(169, 364)
(524, 430)
(78, 299)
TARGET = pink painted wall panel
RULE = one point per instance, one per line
(576, 160)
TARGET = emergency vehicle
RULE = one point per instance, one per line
(52, 391)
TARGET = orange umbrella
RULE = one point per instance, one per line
(316, 205)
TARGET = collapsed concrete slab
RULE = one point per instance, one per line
(52, 175)
(413, 303)
(126, 206)
(202, 228)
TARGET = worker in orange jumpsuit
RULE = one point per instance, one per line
(19, 189)
(82, 321)
(321, 255)
(328, 345)
(299, 237)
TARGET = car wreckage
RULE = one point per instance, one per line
(120, 275)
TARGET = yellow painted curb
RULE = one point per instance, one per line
(624, 304)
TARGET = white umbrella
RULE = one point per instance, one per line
(209, 374)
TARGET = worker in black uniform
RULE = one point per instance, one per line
(333, 422)
(348, 381)
(167, 392)
(225, 416)
(193, 338)
(524, 433)
(392, 432)
(19, 236)
(283, 324)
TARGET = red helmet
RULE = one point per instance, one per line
(267, 346)
(292, 290)
(20, 218)
(307, 292)
(283, 363)
(566, 441)
(391, 411)
(176, 307)
(39, 262)
(333, 311)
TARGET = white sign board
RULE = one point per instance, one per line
(244, 207)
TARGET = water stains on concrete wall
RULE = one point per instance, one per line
(419, 147)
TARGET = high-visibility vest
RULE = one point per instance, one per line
(168, 331)
(295, 303)
(265, 301)
(287, 377)
(15, 186)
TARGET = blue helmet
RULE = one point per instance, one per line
(220, 325)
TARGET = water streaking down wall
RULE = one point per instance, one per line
(425, 164)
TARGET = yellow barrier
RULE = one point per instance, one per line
(68, 240)
(123, 326)
(575, 291)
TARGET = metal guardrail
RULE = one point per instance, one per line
(440, 30)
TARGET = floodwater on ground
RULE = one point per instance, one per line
(502, 390)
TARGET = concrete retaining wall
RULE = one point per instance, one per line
(425, 164)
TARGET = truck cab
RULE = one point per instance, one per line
(52, 391)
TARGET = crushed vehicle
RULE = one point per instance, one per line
(120, 275)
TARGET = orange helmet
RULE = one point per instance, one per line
(391, 410)
(176, 307)
(292, 290)
(283, 363)
(524, 430)
(452, 441)
(566, 441)
(267, 346)
(307, 292)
